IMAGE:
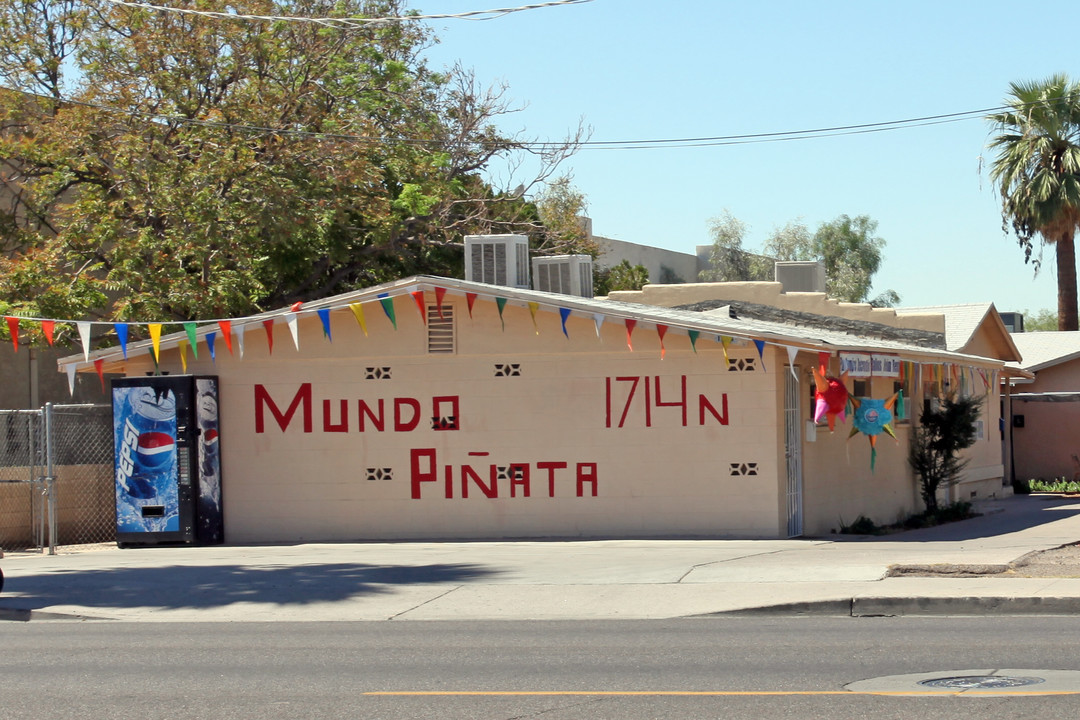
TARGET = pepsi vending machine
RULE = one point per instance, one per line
(167, 460)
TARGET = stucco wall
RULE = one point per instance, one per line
(1044, 446)
(651, 436)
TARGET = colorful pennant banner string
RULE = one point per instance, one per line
(533, 307)
(418, 297)
(358, 313)
(47, 327)
(13, 329)
(598, 320)
(470, 300)
(226, 333)
(210, 338)
(501, 303)
(387, 303)
(84, 338)
(761, 351)
(292, 321)
(440, 293)
(269, 326)
(661, 330)
(155, 339)
(324, 317)
(564, 313)
(630, 325)
(693, 339)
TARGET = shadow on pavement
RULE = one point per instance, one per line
(178, 587)
(1016, 514)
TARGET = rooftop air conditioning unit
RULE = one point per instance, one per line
(498, 260)
(801, 276)
(1014, 321)
(565, 274)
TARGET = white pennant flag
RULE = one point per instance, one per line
(239, 330)
(291, 319)
(84, 335)
(71, 378)
(599, 320)
(791, 353)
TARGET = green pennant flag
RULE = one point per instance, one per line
(189, 328)
(387, 303)
(693, 339)
(501, 302)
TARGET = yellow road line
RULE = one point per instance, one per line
(706, 693)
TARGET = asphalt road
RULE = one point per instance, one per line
(629, 670)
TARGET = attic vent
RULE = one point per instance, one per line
(565, 274)
(440, 330)
(498, 260)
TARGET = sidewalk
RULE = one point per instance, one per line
(530, 580)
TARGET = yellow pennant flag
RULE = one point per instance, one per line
(182, 347)
(533, 307)
(358, 313)
(725, 341)
(155, 337)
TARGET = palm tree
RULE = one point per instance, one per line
(1037, 174)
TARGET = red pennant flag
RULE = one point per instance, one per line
(630, 325)
(100, 372)
(440, 293)
(661, 330)
(269, 325)
(418, 296)
(13, 328)
(47, 327)
(226, 333)
(470, 298)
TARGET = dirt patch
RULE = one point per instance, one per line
(1059, 562)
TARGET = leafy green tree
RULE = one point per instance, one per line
(791, 242)
(173, 166)
(1040, 321)
(942, 433)
(623, 276)
(562, 209)
(728, 261)
(1037, 175)
(851, 251)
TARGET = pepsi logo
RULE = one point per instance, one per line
(155, 449)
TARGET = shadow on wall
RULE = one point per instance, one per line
(181, 587)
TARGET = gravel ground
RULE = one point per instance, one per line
(1060, 562)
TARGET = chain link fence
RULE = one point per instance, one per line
(56, 477)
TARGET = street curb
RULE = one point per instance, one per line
(916, 606)
(20, 615)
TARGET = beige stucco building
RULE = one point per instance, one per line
(476, 411)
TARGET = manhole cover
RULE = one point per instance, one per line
(980, 682)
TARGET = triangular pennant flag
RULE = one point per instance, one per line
(155, 340)
(292, 320)
(630, 325)
(71, 378)
(182, 347)
(693, 339)
(240, 339)
(761, 351)
(193, 340)
(324, 316)
(533, 307)
(269, 326)
(724, 342)
(661, 330)
(440, 293)
(564, 313)
(387, 303)
(210, 338)
(418, 296)
(100, 371)
(122, 333)
(598, 320)
(791, 353)
(13, 328)
(84, 337)
(358, 313)
(226, 333)
(47, 327)
(501, 303)
(470, 299)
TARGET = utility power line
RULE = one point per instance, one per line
(351, 22)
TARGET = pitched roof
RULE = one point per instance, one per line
(962, 321)
(1046, 349)
(775, 333)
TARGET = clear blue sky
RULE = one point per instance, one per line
(640, 69)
